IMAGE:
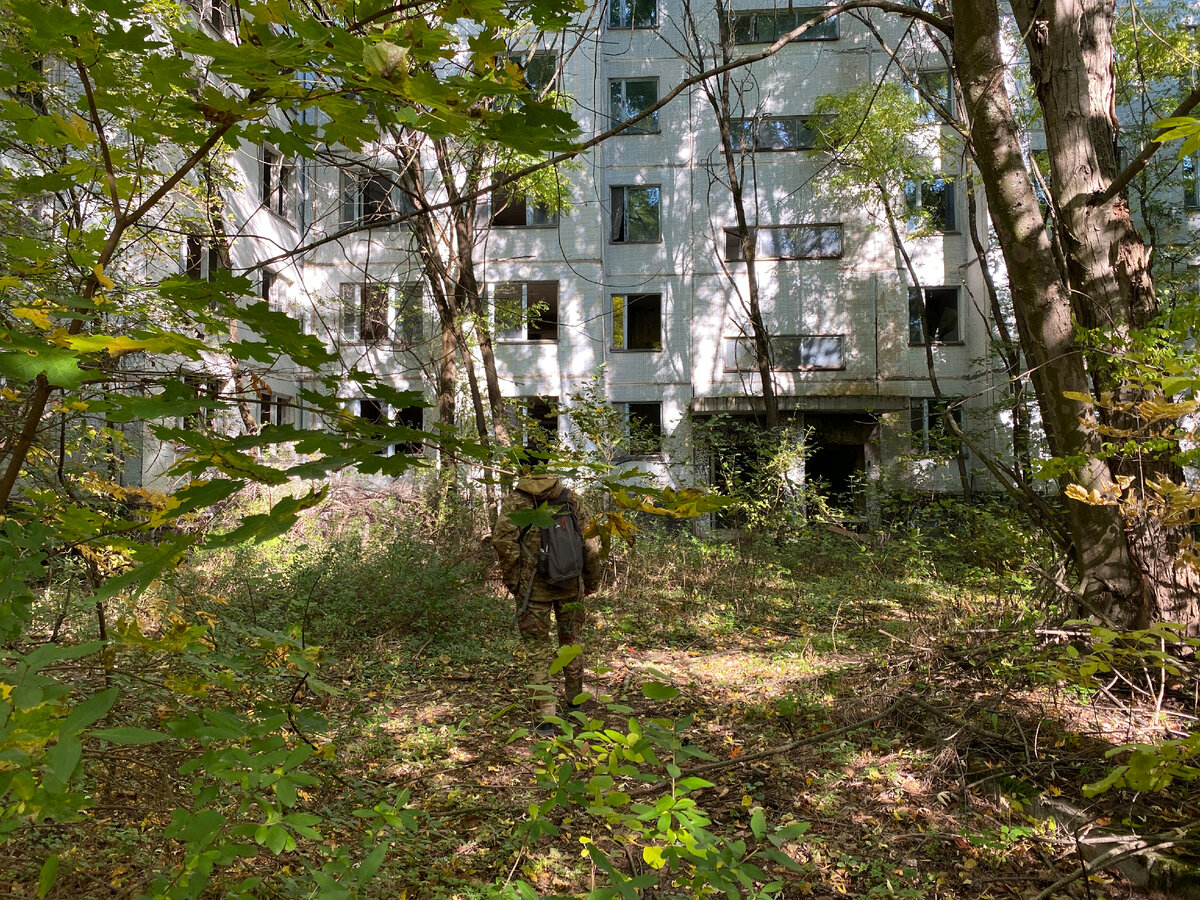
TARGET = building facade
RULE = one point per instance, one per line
(639, 281)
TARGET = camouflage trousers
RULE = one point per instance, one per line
(537, 651)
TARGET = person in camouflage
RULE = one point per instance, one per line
(537, 600)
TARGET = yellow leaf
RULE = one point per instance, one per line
(76, 128)
(5, 690)
(103, 280)
(1078, 397)
(38, 317)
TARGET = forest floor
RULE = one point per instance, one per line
(857, 716)
(929, 758)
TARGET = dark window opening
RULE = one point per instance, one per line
(537, 422)
(777, 133)
(637, 321)
(370, 199)
(1191, 181)
(373, 324)
(928, 424)
(643, 423)
(203, 258)
(411, 417)
(515, 210)
(266, 286)
(940, 314)
(789, 353)
(277, 178)
(203, 389)
(628, 98)
(935, 91)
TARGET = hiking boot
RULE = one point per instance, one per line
(544, 730)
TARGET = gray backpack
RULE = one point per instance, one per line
(560, 556)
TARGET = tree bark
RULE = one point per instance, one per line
(1106, 280)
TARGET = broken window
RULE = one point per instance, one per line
(375, 311)
(274, 409)
(789, 353)
(632, 13)
(371, 199)
(535, 422)
(940, 320)
(930, 205)
(277, 180)
(777, 132)
(202, 258)
(928, 424)
(635, 214)
(513, 209)
(637, 321)
(765, 26)
(1191, 181)
(935, 93)
(628, 98)
(788, 242)
(643, 427)
(526, 311)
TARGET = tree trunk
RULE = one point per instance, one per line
(1106, 281)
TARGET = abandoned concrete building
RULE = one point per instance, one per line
(638, 280)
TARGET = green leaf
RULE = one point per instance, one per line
(758, 823)
(130, 735)
(657, 690)
(540, 517)
(565, 655)
(61, 367)
(369, 866)
(277, 839)
(61, 762)
(47, 875)
(90, 710)
(692, 783)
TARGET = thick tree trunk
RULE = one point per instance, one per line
(1076, 118)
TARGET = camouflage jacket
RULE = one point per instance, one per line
(516, 567)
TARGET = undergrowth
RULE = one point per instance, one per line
(334, 713)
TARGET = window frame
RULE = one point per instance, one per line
(360, 188)
(277, 183)
(754, 126)
(650, 444)
(512, 335)
(923, 411)
(945, 96)
(621, 325)
(798, 14)
(631, 22)
(915, 196)
(731, 355)
(1190, 171)
(621, 236)
(917, 321)
(526, 411)
(649, 125)
(274, 409)
(202, 258)
(508, 205)
(403, 332)
(733, 244)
